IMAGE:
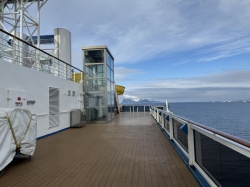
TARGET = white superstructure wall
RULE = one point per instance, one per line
(33, 88)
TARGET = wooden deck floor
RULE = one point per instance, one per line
(129, 151)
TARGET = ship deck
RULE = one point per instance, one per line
(129, 151)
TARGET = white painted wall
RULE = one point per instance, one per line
(36, 84)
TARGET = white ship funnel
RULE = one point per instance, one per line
(62, 50)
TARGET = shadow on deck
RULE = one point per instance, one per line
(129, 151)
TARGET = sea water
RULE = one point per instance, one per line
(229, 117)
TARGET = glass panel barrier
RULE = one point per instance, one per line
(94, 71)
(179, 135)
(139, 108)
(160, 117)
(95, 99)
(166, 125)
(112, 87)
(112, 76)
(17, 51)
(108, 86)
(223, 165)
(108, 59)
(127, 108)
(94, 85)
(94, 56)
(108, 73)
(96, 114)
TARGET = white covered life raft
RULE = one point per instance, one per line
(18, 131)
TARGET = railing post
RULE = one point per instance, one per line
(191, 145)
(157, 116)
(133, 108)
(37, 61)
(171, 127)
(163, 120)
(162, 123)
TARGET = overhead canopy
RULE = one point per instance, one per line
(119, 89)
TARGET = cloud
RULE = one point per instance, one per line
(180, 63)
(137, 31)
(226, 85)
(192, 94)
(122, 73)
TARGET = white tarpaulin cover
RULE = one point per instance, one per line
(24, 127)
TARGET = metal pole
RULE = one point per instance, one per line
(2, 21)
(171, 128)
(38, 35)
(14, 39)
(38, 24)
(191, 149)
(21, 32)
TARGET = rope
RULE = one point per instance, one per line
(14, 136)
(12, 131)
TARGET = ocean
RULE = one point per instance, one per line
(229, 117)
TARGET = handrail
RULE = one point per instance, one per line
(223, 134)
(39, 49)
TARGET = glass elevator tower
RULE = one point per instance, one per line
(98, 66)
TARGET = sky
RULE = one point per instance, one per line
(179, 50)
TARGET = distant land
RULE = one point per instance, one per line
(127, 101)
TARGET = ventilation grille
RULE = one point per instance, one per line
(53, 107)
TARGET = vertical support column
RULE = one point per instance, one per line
(1, 27)
(38, 26)
(137, 109)
(163, 120)
(144, 108)
(21, 32)
(133, 108)
(191, 144)
(157, 116)
(38, 36)
(171, 128)
(14, 41)
(129, 109)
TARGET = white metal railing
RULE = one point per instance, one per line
(20, 52)
(202, 145)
